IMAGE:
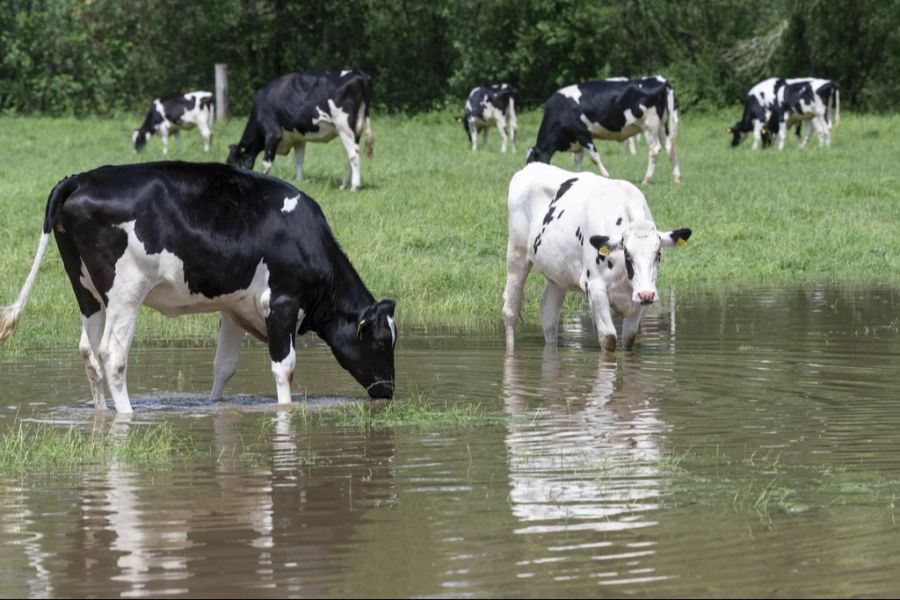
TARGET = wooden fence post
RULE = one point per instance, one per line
(221, 92)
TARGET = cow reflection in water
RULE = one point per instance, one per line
(583, 448)
(234, 528)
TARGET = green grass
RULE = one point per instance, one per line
(429, 226)
(415, 412)
(33, 447)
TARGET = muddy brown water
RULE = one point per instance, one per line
(750, 446)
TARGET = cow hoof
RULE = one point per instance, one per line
(647, 180)
(678, 180)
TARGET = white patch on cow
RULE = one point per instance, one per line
(572, 92)
(283, 371)
(290, 204)
(88, 284)
(393, 328)
(632, 127)
(169, 292)
(345, 72)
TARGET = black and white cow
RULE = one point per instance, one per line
(586, 234)
(630, 145)
(612, 110)
(808, 101)
(760, 108)
(170, 114)
(308, 107)
(489, 105)
(188, 238)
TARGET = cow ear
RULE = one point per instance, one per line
(603, 244)
(677, 238)
(386, 307)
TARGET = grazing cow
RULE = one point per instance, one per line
(808, 101)
(308, 107)
(491, 105)
(587, 234)
(612, 110)
(760, 107)
(171, 114)
(187, 238)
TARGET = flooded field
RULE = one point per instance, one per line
(750, 446)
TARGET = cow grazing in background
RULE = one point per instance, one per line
(808, 101)
(612, 110)
(189, 238)
(489, 105)
(760, 107)
(586, 234)
(308, 107)
(170, 114)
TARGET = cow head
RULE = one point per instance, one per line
(140, 138)
(365, 347)
(536, 155)
(240, 156)
(736, 133)
(641, 244)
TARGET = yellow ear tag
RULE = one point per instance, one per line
(680, 243)
(603, 251)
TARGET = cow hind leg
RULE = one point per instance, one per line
(88, 346)
(299, 153)
(595, 158)
(281, 328)
(501, 130)
(118, 332)
(228, 351)
(517, 268)
(348, 139)
(669, 144)
(579, 156)
(654, 147)
(473, 135)
(206, 134)
(551, 304)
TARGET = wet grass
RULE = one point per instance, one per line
(35, 447)
(429, 226)
(414, 412)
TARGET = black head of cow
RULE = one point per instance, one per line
(365, 347)
(537, 155)
(736, 133)
(240, 156)
(140, 137)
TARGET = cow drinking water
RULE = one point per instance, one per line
(188, 238)
(586, 234)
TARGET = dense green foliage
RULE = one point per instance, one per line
(429, 226)
(104, 56)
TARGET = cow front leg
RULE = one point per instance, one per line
(299, 153)
(269, 151)
(281, 328)
(630, 326)
(178, 139)
(551, 304)
(228, 351)
(654, 147)
(88, 347)
(782, 134)
(579, 156)
(164, 138)
(118, 331)
(606, 329)
(473, 135)
(501, 130)
(595, 158)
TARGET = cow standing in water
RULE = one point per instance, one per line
(489, 105)
(308, 107)
(170, 114)
(188, 238)
(610, 110)
(586, 234)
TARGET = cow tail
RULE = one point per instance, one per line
(836, 100)
(10, 314)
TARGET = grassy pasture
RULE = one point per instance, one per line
(429, 226)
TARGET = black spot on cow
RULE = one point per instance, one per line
(609, 264)
(589, 273)
(619, 221)
(559, 216)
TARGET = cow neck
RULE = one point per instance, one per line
(339, 303)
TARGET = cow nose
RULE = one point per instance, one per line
(647, 297)
(382, 390)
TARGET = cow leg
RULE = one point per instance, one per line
(228, 351)
(517, 268)
(821, 127)
(513, 127)
(281, 328)
(501, 129)
(299, 151)
(178, 139)
(484, 134)
(579, 155)
(606, 329)
(551, 304)
(348, 139)
(118, 331)
(782, 134)
(269, 151)
(757, 134)
(88, 346)
(473, 135)
(630, 146)
(595, 158)
(808, 126)
(630, 326)
(164, 137)
(669, 144)
(654, 147)
(206, 134)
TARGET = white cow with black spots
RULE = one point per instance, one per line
(491, 105)
(586, 234)
(168, 115)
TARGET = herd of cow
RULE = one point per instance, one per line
(206, 237)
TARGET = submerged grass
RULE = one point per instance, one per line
(35, 447)
(429, 226)
(416, 412)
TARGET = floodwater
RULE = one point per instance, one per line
(749, 446)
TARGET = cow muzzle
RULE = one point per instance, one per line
(646, 297)
(381, 390)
